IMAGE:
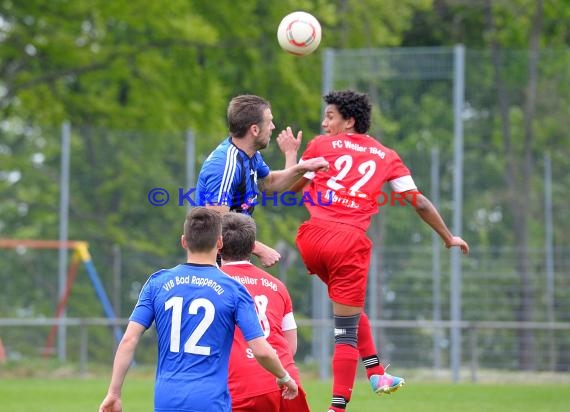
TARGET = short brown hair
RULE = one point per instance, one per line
(243, 112)
(238, 232)
(202, 229)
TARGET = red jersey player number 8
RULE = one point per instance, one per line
(261, 303)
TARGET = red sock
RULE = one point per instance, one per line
(344, 365)
(367, 348)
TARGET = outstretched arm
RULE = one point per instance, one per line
(431, 216)
(282, 180)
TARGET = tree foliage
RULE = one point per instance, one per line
(132, 77)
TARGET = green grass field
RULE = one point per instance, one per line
(83, 395)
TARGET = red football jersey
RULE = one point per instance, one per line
(351, 190)
(275, 310)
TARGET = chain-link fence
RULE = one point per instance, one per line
(484, 134)
(517, 273)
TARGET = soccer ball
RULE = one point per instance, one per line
(299, 33)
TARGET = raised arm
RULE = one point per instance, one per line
(289, 145)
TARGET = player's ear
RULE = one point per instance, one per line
(220, 243)
(254, 128)
(183, 242)
(350, 122)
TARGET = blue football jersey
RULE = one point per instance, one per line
(229, 177)
(195, 309)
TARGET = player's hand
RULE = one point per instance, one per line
(287, 142)
(290, 389)
(267, 256)
(315, 164)
(111, 403)
(457, 241)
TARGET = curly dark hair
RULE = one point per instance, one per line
(352, 104)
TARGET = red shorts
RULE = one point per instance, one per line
(338, 254)
(272, 401)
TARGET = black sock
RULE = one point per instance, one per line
(339, 401)
(371, 361)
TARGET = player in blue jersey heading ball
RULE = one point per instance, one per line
(234, 173)
(195, 308)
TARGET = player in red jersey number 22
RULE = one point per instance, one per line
(333, 242)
